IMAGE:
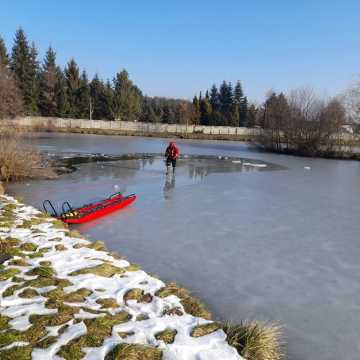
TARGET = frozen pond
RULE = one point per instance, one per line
(278, 243)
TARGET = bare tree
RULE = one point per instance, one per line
(332, 118)
(276, 116)
(302, 123)
(351, 101)
(10, 99)
(302, 131)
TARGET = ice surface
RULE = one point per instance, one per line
(271, 245)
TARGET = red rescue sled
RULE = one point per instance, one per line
(91, 211)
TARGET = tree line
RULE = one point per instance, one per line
(224, 106)
(32, 87)
(298, 120)
(47, 90)
(303, 124)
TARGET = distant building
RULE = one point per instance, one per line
(348, 128)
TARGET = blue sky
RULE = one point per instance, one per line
(177, 48)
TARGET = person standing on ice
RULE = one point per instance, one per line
(171, 154)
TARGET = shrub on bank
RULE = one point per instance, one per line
(17, 161)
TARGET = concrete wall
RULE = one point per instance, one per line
(135, 127)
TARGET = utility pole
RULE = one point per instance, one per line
(91, 109)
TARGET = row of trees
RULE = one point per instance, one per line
(45, 89)
(302, 123)
(223, 106)
(297, 121)
(165, 110)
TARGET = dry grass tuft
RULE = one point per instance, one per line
(133, 294)
(43, 281)
(167, 336)
(19, 262)
(206, 329)
(105, 270)
(74, 233)
(256, 340)
(108, 303)
(28, 246)
(134, 352)
(125, 334)
(8, 273)
(32, 335)
(60, 247)
(16, 352)
(175, 311)
(8, 246)
(64, 314)
(97, 245)
(27, 224)
(29, 293)
(142, 317)
(48, 341)
(191, 305)
(97, 330)
(4, 322)
(138, 295)
(44, 271)
(77, 296)
(45, 263)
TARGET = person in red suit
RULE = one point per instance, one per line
(171, 154)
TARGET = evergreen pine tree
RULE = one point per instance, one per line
(214, 98)
(196, 105)
(226, 99)
(215, 106)
(48, 82)
(62, 104)
(83, 97)
(205, 111)
(96, 88)
(243, 111)
(109, 98)
(96, 91)
(148, 112)
(4, 57)
(23, 65)
(99, 99)
(166, 115)
(238, 93)
(34, 78)
(72, 76)
(127, 100)
(152, 115)
(234, 115)
(251, 116)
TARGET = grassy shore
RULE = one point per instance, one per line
(62, 296)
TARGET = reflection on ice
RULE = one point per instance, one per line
(169, 185)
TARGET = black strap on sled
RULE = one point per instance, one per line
(64, 205)
(52, 212)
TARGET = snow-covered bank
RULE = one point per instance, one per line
(62, 296)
